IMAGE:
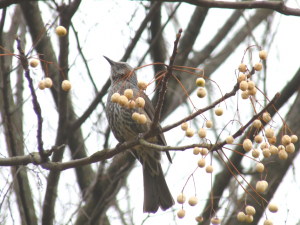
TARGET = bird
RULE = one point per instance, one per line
(124, 128)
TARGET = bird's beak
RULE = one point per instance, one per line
(110, 61)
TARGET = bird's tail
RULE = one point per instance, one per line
(156, 191)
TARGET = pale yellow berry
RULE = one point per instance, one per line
(42, 85)
(242, 67)
(266, 152)
(247, 145)
(202, 133)
(251, 85)
(131, 104)
(34, 63)
(265, 183)
(269, 132)
(286, 140)
(181, 213)
(189, 132)
(203, 151)
(290, 148)
(140, 102)
(249, 218)
(128, 93)
(201, 163)
(142, 119)
(268, 222)
(258, 139)
(258, 66)
(242, 77)
(209, 169)
(48, 82)
(61, 31)
(123, 101)
(241, 216)
(273, 207)
(294, 138)
(229, 140)
(244, 95)
(263, 54)
(199, 219)
(250, 210)
(266, 117)
(181, 198)
(193, 201)
(264, 145)
(257, 123)
(272, 140)
(219, 111)
(273, 150)
(66, 85)
(184, 126)
(115, 98)
(260, 167)
(260, 186)
(201, 92)
(244, 85)
(281, 147)
(215, 221)
(252, 92)
(209, 123)
(255, 153)
(200, 82)
(142, 84)
(196, 151)
(135, 116)
(282, 155)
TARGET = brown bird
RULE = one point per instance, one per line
(156, 191)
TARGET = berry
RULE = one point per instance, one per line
(184, 126)
(294, 138)
(286, 140)
(201, 92)
(203, 151)
(251, 85)
(123, 101)
(209, 123)
(243, 85)
(244, 95)
(215, 221)
(128, 93)
(252, 92)
(260, 186)
(282, 155)
(48, 82)
(250, 210)
(202, 133)
(201, 163)
(61, 31)
(229, 140)
(257, 123)
(258, 139)
(181, 213)
(272, 140)
(273, 150)
(264, 145)
(131, 104)
(199, 219)
(142, 84)
(268, 222)
(247, 145)
(189, 132)
(241, 216)
(209, 169)
(42, 85)
(258, 66)
(260, 167)
(66, 85)
(266, 117)
(135, 116)
(34, 63)
(115, 98)
(193, 201)
(242, 67)
(290, 148)
(266, 152)
(269, 133)
(200, 82)
(273, 207)
(181, 198)
(263, 54)
(255, 153)
(196, 151)
(242, 77)
(219, 111)
(142, 119)
(249, 218)
(140, 102)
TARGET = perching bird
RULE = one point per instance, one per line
(156, 191)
